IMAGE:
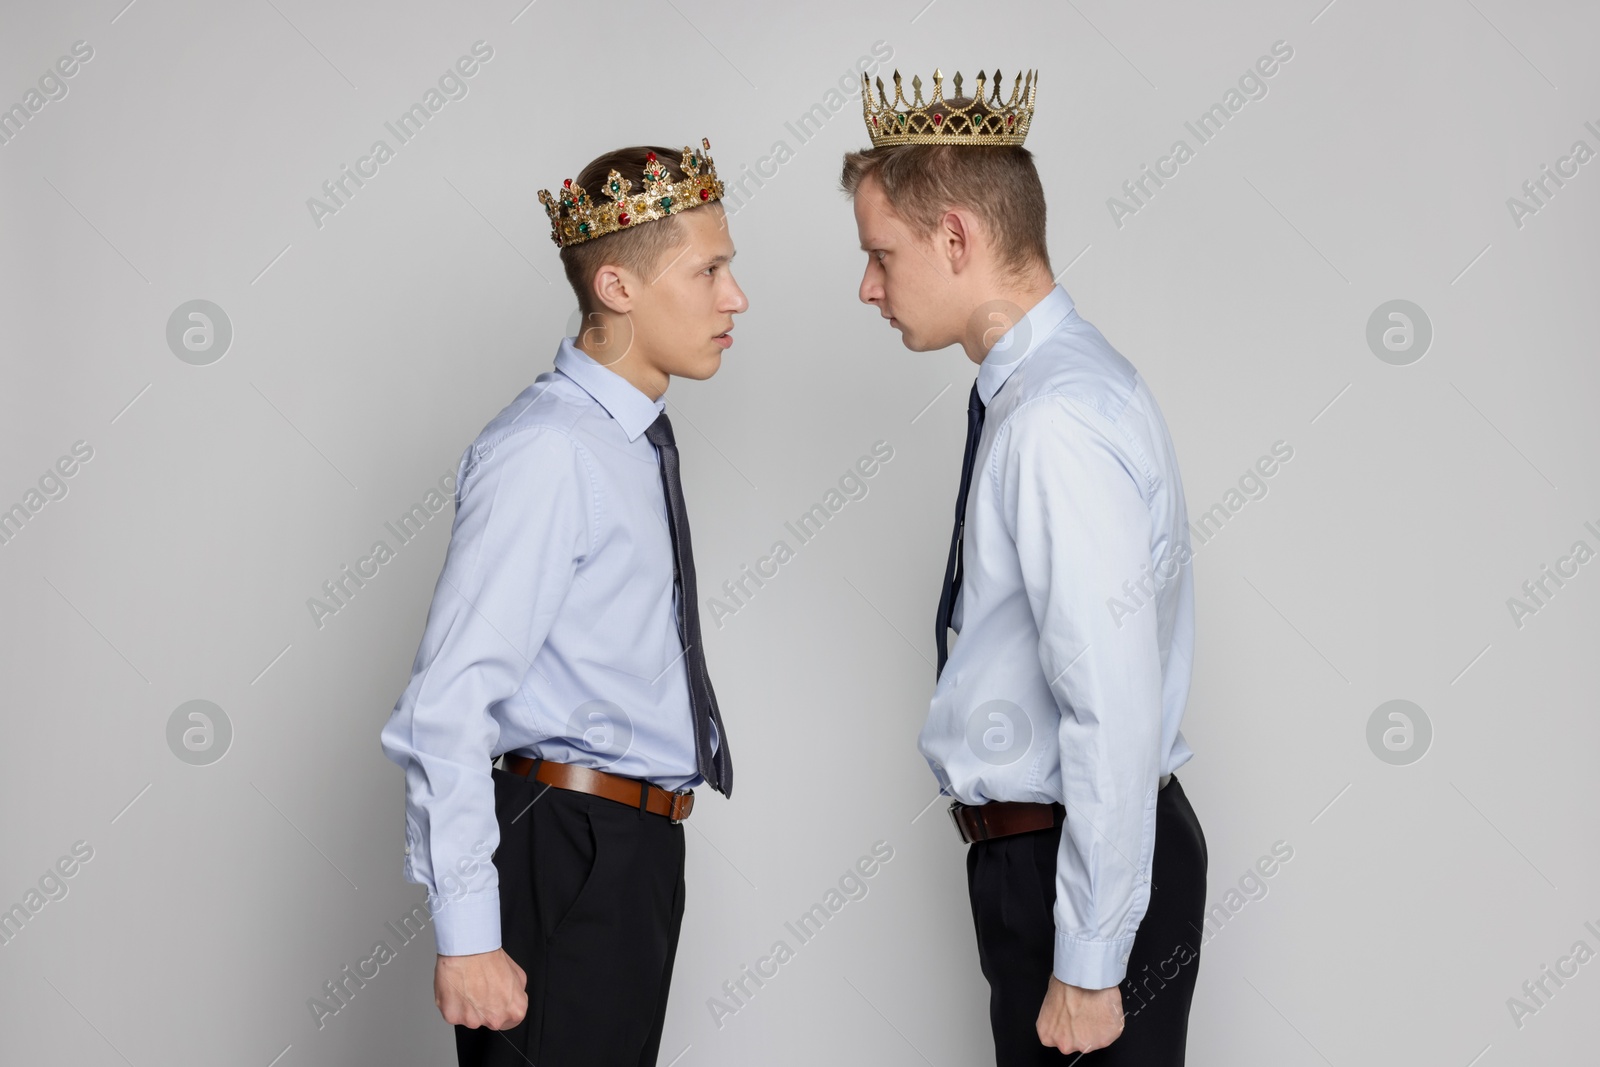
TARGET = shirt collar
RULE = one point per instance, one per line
(633, 410)
(1028, 333)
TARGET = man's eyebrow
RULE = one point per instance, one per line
(722, 258)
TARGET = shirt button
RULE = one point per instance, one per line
(408, 848)
(1124, 955)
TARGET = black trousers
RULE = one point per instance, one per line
(591, 900)
(1012, 883)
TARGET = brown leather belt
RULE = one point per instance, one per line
(1002, 818)
(634, 792)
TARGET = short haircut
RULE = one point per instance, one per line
(639, 248)
(997, 182)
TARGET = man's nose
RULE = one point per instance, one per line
(870, 290)
(740, 302)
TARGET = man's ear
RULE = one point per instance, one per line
(954, 236)
(613, 287)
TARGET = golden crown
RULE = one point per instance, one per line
(575, 217)
(938, 121)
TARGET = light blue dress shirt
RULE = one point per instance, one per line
(552, 632)
(1066, 684)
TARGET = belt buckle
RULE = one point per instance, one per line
(688, 805)
(955, 818)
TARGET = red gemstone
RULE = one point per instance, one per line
(622, 220)
(1010, 119)
(705, 194)
(650, 157)
(874, 121)
(938, 120)
(567, 184)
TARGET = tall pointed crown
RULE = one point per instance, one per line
(938, 121)
(575, 217)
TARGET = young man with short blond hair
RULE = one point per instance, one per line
(1054, 719)
(564, 638)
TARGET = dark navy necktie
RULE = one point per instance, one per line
(952, 570)
(715, 767)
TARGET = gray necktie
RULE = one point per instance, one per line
(715, 767)
(953, 568)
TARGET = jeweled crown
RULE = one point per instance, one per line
(938, 121)
(575, 217)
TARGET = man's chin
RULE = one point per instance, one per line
(923, 342)
(702, 367)
(911, 341)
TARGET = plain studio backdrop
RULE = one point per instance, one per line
(1441, 850)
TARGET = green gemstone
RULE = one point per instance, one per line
(666, 203)
(583, 227)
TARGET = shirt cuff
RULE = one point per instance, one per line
(1091, 964)
(468, 925)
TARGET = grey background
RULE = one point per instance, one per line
(367, 353)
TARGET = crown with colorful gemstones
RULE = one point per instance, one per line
(939, 121)
(575, 217)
